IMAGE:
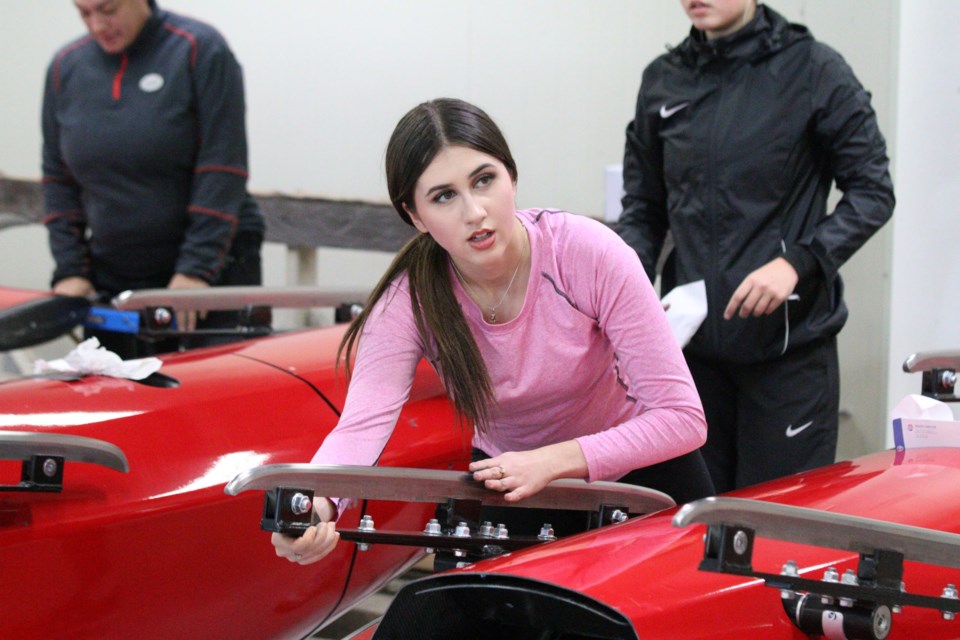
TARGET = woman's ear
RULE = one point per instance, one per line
(415, 219)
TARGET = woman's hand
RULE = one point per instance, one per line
(521, 474)
(763, 290)
(315, 543)
(74, 286)
(187, 320)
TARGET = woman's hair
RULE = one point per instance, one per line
(421, 134)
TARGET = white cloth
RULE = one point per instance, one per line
(89, 358)
(687, 310)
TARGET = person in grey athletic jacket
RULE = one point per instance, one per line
(738, 134)
(145, 158)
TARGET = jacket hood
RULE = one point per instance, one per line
(766, 34)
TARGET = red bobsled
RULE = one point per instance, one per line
(862, 549)
(113, 517)
(649, 579)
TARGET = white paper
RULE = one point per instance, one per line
(89, 358)
(919, 421)
(687, 310)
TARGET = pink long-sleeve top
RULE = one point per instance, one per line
(591, 358)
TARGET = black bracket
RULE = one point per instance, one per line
(288, 511)
(940, 384)
(40, 474)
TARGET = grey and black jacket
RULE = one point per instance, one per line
(145, 157)
(733, 149)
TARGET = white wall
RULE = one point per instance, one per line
(924, 305)
(328, 79)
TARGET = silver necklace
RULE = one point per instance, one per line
(492, 318)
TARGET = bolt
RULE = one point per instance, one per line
(619, 516)
(831, 575)
(949, 592)
(789, 569)
(501, 533)
(848, 577)
(300, 504)
(740, 542)
(462, 531)
(49, 467)
(486, 529)
(897, 608)
(366, 523)
(546, 533)
(162, 316)
(948, 379)
(432, 529)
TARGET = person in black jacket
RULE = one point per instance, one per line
(145, 160)
(738, 134)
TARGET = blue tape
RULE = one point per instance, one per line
(113, 320)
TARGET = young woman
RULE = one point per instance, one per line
(542, 325)
(738, 134)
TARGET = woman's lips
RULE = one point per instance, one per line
(481, 239)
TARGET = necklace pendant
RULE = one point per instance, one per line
(493, 317)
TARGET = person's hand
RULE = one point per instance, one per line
(74, 286)
(187, 320)
(764, 290)
(315, 543)
(521, 474)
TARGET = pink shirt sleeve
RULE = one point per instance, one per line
(387, 356)
(610, 285)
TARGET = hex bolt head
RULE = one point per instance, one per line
(848, 577)
(49, 467)
(432, 528)
(546, 532)
(162, 316)
(789, 569)
(949, 592)
(300, 504)
(740, 542)
(833, 576)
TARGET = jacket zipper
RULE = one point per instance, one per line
(714, 214)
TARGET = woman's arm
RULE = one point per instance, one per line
(670, 420)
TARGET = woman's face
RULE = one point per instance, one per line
(466, 200)
(719, 18)
(114, 24)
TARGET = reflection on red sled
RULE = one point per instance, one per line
(868, 548)
(113, 518)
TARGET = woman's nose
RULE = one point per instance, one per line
(473, 209)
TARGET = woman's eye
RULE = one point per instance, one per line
(484, 180)
(443, 196)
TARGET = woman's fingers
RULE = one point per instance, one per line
(315, 543)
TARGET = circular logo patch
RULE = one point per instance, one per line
(151, 82)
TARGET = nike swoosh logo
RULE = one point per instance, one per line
(792, 432)
(666, 113)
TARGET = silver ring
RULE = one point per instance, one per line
(298, 556)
